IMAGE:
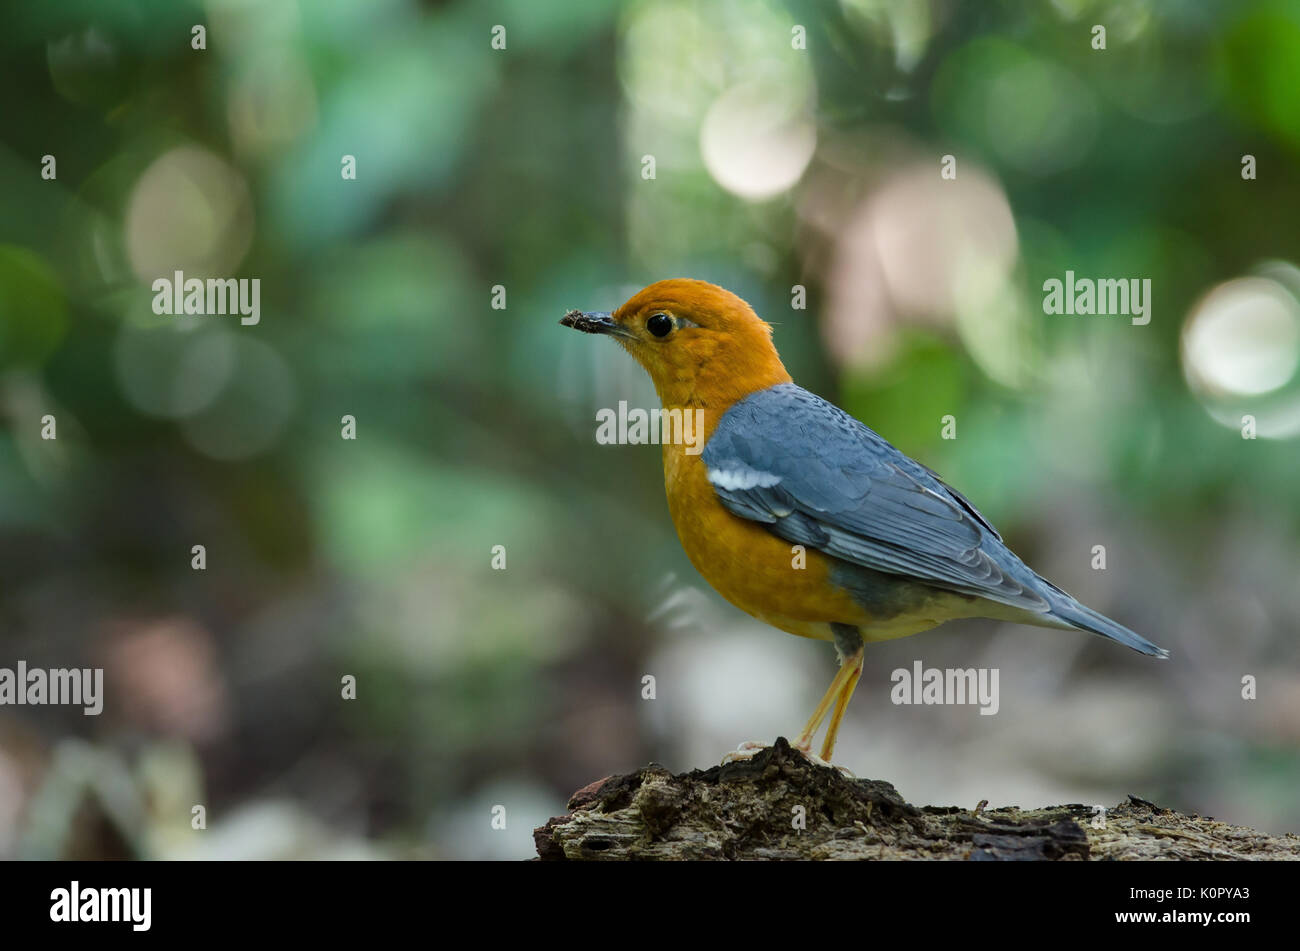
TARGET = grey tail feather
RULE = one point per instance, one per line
(1067, 609)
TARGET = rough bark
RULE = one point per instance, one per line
(750, 810)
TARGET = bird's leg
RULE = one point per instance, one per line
(848, 644)
(804, 743)
(751, 748)
(853, 664)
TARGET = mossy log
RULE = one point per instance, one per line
(781, 806)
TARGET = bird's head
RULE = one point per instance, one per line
(700, 343)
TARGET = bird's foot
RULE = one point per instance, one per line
(745, 751)
(751, 748)
(813, 757)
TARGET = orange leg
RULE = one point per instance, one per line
(837, 694)
(854, 665)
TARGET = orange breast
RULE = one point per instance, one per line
(747, 564)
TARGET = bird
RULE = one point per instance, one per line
(802, 516)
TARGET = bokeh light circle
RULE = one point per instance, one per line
(1240, 351)
(190, 211)
(1243, 338)
(755, 141)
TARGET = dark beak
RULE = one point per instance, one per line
(593, 322)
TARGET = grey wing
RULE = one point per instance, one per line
(816, 476)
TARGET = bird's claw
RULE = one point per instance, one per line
(814, 758)
(751, 748)
(745, 751)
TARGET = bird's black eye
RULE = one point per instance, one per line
(661, 325)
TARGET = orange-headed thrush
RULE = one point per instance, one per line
(890, 549)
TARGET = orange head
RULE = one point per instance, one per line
(701, 344)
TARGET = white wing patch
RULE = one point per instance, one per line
(734, 480)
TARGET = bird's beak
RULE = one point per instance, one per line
(593, 322)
